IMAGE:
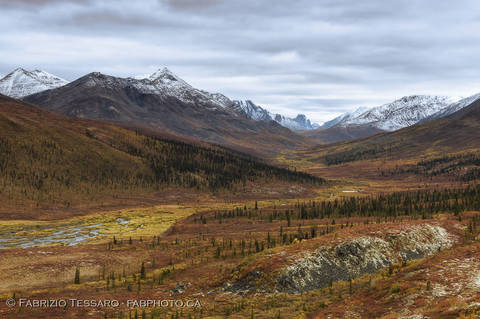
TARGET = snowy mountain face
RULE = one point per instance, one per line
(20, 82)
(404, 112)
(258, 113)
(454, 107)
(344, 117)
(165, 82)
(252, 110)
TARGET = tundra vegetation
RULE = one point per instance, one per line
(204, 255)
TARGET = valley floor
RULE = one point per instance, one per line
(200, 252)
(256, 254)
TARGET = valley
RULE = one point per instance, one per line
(212, 159)
(118, 189)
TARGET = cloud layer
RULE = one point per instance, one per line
(318, 57)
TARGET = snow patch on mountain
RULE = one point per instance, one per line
(454, 107)
(20, 82)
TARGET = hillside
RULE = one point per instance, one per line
(168, 103)
(51, 159)
(457, 132)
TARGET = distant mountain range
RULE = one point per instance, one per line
(401, 113)
(182, 109)
(21, 83)
(164, 102)
(258, 113)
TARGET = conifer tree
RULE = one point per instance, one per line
(143, 274)
(77, 276)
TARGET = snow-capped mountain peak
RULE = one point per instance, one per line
(167, 77)
(400, 113)
(21, 82)
(161, 72)
(163, 76)
(165, 82)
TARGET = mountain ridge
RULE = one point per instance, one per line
(401, 113)
(168, 105)
(21, 83)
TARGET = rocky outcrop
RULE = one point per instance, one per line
(348, 260)
(360, 256)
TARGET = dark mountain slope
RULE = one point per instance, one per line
(152, 104)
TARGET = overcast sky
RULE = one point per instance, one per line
(317, 57)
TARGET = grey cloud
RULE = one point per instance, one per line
(191, 4)
(331, 102)
(114, 19)
(39, 3)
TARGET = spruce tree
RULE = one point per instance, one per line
(143, 274)
(77, 276)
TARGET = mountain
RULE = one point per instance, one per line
(166, 83)
(401, 113)
(165, 102)
(20, 82)
(457, 132)
(258, 113)
(365, 122)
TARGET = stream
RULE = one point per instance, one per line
(68, 235)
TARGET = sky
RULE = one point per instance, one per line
(316, 57)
